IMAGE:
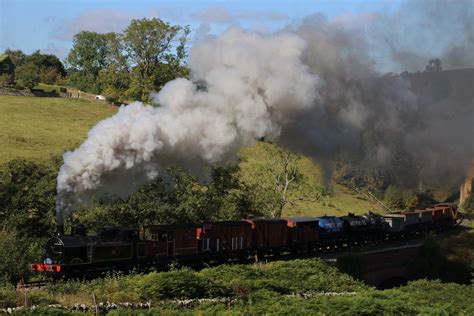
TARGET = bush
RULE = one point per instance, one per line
(393, 198)
(64, 287)
(178, 284)
(468, 205)
(14, 258)
(27, 76)
(40, 298)
(7, 296)
(6, 80)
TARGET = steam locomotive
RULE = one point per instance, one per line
(223, 241)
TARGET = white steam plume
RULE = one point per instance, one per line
(253, 86)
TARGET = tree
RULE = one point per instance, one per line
(420, 200)
(45, 62)
(278, 182)
(16, 56)
(27, 197)
(393, 198)
(150, 44)
(7, 70)
(88, 56)
(27, 75)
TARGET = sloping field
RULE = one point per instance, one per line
(341, 200)
(36, 128)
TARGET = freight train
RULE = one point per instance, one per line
(223, 241)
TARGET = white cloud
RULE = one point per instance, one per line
(222, 15)
(101, 21)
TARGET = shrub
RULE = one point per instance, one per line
(40, 298)
(183, 283)
(27, 76)
(7, 296)
(468, 205)
(393, 198)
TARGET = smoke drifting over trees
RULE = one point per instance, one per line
(314, 88)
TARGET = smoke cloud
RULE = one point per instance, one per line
(253, 84)
(315, 88)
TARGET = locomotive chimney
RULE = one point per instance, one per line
(60, 229)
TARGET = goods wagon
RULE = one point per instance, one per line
(396, 223)
(269, 233)
(168, 241)
(412, 220)
(425, 218)
(303, 232)
(226, 237)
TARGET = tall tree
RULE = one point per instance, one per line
(277, 180)
(88, 56)
(16, 56)
(151, 45)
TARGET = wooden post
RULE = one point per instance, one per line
(26, 300)
(95, 304)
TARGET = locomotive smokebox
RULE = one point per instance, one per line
(60, 229)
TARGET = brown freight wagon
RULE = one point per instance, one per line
(438, 214)
(302, 231)
(450, 208)
(226, 237)
(426, 217)
(168, 241)
(412, 220)
(269, 233)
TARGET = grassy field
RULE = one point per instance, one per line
(36, 128)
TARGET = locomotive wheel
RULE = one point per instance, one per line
(76, 261)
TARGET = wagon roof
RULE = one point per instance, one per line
(301, 219)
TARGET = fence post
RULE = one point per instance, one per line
(95, 304)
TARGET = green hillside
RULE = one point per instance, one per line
(339, 202)
(36, 128)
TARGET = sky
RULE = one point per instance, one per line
(49, 25)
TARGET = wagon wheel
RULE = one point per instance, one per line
(76, 261)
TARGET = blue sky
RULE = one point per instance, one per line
(49, 25)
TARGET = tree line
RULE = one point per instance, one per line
(122, 66)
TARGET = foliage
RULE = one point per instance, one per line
(393, 198)
(6, 80)
(281, 287)
(175, 284)
(279, 182)
(87, 57)
(468, 205)
(49, 68)
(149, 44)
(27, 197)
(16, 56)
(7, 294)
(130, 65)
(224, 197)
(420, 200)
(15, 256)
(27, 76)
